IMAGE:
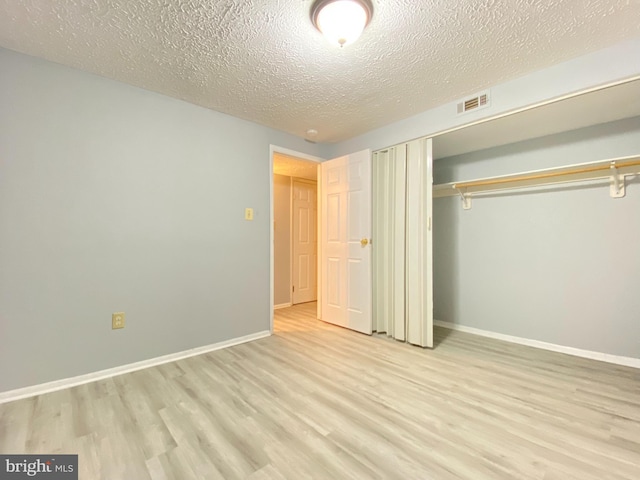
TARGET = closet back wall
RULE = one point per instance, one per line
(560, 265)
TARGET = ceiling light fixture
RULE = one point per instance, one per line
(341, 21)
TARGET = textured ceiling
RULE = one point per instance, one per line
(294, 167)
(263, 61)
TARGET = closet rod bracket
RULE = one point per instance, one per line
(465, 197)
(616, 189)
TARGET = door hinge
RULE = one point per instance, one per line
(293, 289)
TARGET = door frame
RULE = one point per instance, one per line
(292, 153)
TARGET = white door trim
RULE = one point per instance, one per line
(285, 151)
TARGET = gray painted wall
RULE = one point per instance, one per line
(282, 239)
(113, 198)
(559, 266)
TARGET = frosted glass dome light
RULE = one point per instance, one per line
(341, 21)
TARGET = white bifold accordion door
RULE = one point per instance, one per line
(402, 235)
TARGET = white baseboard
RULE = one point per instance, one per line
(603, 357)
(20, 393)
(282, 305)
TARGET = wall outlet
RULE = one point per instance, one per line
(248, 213)
(117, 320)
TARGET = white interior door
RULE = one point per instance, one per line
(304, 242)
(345, 244)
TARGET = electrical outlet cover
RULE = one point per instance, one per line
(117, 320)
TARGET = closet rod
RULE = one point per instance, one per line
(616, 169)
(550, 174)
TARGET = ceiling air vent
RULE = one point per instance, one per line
(478, 101)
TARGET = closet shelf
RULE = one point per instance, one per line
(615, 169)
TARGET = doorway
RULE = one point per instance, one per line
(343, 248)
(294, 276)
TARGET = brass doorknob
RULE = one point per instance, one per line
(364, 242)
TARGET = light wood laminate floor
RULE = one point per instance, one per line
(317, 401)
